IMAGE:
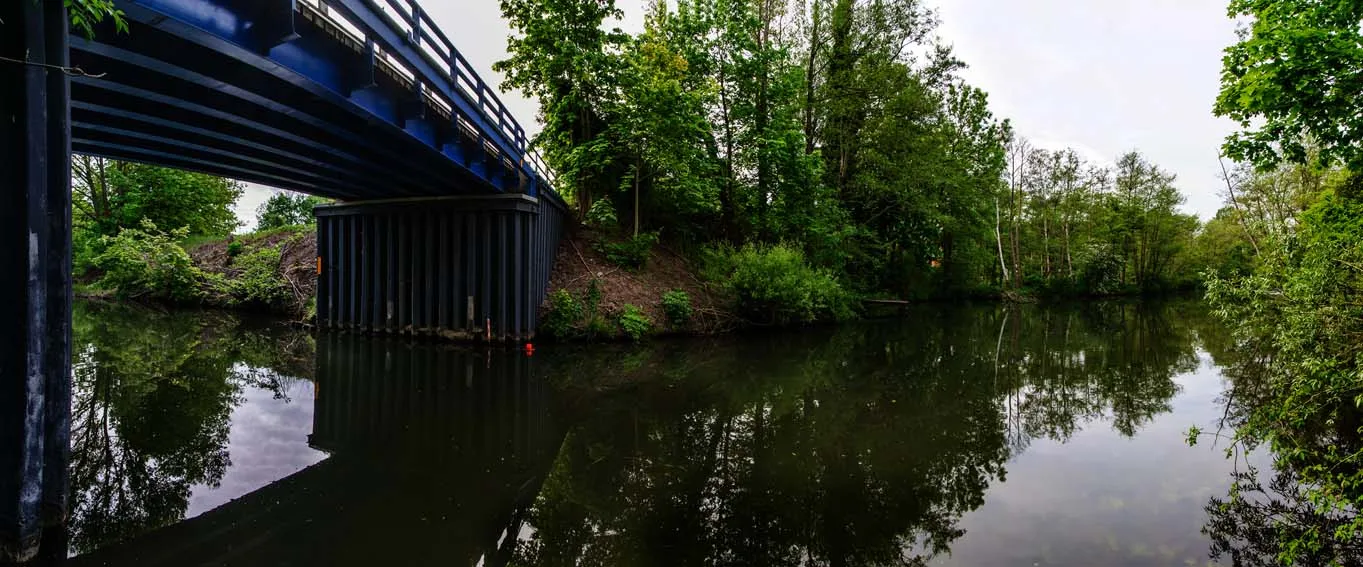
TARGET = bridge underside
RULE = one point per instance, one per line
(278, 94)
(462, 268)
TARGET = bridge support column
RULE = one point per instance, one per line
(35, 291)
(457, 268)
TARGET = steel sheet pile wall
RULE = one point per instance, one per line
(459, 268)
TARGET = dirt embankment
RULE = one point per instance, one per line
(296, 268)
(579, 263)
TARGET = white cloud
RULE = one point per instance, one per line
(1105, 77)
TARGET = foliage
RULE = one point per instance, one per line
(148, 263)
(837, 127)
(1293, 76)
(1297, 322)
(1297, 307)
(774, 285)
(86, 14)
(564, 313)
(234, 249)
(634, 323)
(602, 215)
(631, 253)
(287, 209)
(259, 281)
(109, 196)
(677, 307)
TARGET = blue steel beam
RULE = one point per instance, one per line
(238, 130)
(242, 101)
(310, 65)
(86, 114)
(347, 189)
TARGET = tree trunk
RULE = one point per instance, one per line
(728, 211)
(998, 237)
(638, 173)
(762, 120)
(810, 76)
(1069, 262)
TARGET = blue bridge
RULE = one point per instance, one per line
(446, 227)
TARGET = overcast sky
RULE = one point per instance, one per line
(1102, 76)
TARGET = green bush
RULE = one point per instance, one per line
(148, 263)
(565, 311)
(630, 254)
(677, 307)
(234, 249)
(1100, 270)
(634, 322)
(260, 281)
(602, 215)
(774, 285)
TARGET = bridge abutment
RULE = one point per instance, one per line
(35, 314)
(456, 268)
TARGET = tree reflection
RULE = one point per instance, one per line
(1251, 523)
(1268, 517)
(153, 396)
(862, 446)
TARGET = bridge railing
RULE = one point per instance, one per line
(409, 20)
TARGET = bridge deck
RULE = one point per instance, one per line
(351, 99)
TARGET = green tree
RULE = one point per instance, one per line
(287, 209)
(1290, 81)
(110, 196)
(1294, 75)
(563, 55)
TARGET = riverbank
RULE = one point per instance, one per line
(602, 287)
(268, 272)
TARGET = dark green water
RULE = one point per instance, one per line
(953, 436)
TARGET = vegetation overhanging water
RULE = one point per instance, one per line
(967, 435)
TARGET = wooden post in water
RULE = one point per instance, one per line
(35, 273)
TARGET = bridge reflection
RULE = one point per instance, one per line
(435, 455)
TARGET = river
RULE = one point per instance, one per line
(953, 435)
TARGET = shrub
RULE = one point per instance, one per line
(593, 297)
(599, 327)
(260, 281)
(677, 307)
(147, 262)
(1100, 270)
(565, 311)
(774, 285)
(602, 215)
(634, 322)
(631, 254)
(233, 249)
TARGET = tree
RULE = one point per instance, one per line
(287, 209)
(1294, 75)
(110, 196)
(563, 55)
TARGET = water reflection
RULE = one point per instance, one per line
(153, 397)
(860, 446)
(1267, 506)
(952, 435)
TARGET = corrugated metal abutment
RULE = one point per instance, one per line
(457, 268)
